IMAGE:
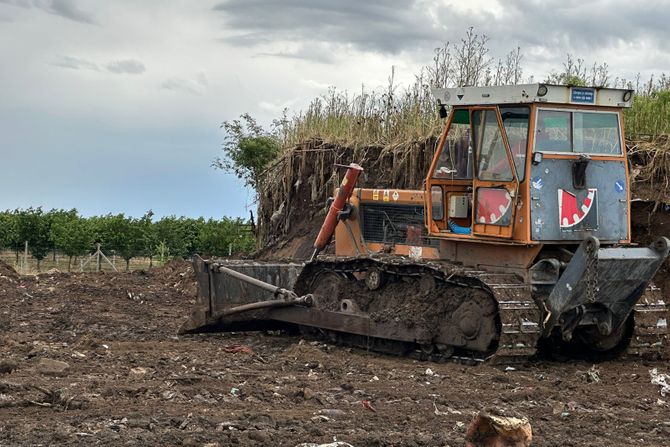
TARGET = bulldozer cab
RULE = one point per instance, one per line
(529, 164)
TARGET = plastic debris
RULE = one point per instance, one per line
(449, 411)
(139, 371)
(368, 406)
(662, 380)
(590, 376)
(237, 349)
(332, 444)
(332, 412)
(234, 391)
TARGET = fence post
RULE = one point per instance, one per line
(25, 258)
(97, 261)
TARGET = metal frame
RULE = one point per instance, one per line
(529, 93)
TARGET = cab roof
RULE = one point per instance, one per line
(534, 93)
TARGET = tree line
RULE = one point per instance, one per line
(128, 237)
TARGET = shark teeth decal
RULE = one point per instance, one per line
(569, 211)
(493, 205)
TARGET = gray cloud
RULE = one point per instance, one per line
(130, 66)
(194, 86)
(63, 8)
(75, 63)
(309, 52)
(564, 25)
(123, 66)
(375, 25)
(552, 27)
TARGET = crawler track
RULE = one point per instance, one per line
(517, 316)
(513, 314)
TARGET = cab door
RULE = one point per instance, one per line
(495, 184)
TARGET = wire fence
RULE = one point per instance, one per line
(57, 261)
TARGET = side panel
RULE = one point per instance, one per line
(559, 212)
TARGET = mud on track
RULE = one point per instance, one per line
(130, 380)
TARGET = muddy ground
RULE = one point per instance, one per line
(94, 359)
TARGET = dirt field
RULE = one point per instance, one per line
(127, 379)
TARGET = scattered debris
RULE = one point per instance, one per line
(139, 371)
(662, 380)
(590, 376)
(237, 349)
(185, 422)
(56, 398)
(332, 444)
(7, 366)
(332, 412)
(320, 418)
(368, 406)
(449, 411)
(489, 430)
(52, 367)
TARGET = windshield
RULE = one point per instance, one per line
(578, 131)
(515, 121)
(455, 160)
(492, 161)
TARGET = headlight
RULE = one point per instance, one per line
(542, 90)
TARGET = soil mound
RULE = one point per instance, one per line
(8, 271)
(294, 189)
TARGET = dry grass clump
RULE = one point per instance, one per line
(393, 132)
(650, 163)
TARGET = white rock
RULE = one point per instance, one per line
(52, 367)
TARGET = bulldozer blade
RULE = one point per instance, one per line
(219, 292)
(603, 278)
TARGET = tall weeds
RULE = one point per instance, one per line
(397, 118)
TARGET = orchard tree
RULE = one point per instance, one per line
(247, 149)
(72, 234)
(8, 231)
(225, 236)
(213, 238)
(122, 234)
(34, 226)
(172, 236)
(178, 235)
(150, 243)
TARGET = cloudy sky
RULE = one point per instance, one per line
(116, 106)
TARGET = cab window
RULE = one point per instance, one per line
(492, 161)
(554, 132)
(455, 160)
(578, 131)
(515, 122)
(596, 133)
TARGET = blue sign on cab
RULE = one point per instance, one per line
(583, 95)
